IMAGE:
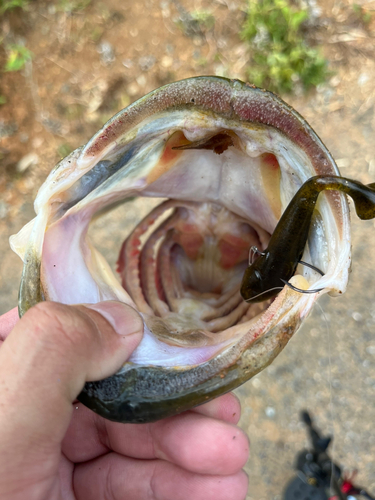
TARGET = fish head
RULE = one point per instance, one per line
(224, 158)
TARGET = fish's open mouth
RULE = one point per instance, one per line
(228, 158)
(185, 275)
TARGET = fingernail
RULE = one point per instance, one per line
(235, 397)
(124, 319)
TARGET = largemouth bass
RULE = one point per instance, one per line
(228, 157)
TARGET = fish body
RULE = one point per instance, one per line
(226, 158)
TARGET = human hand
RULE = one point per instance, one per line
(51, 449)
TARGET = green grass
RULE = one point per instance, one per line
(280, 56)
(203, 18)
(364, 16)
(72, 5)
(12, 4)
(18, 55)
(196, 22)
(64, 149)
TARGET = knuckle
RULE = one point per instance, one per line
(151, 492)
(60, 325)
(109, 485)
(45, 317)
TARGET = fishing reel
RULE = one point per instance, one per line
(318, 477)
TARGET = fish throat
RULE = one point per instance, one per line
(184, 263)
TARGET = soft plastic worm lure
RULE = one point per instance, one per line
(264, 278)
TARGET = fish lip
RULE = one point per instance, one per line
(116, 398)
(130, 395)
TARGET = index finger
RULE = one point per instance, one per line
(8, 322)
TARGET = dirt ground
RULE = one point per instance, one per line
(88, 64)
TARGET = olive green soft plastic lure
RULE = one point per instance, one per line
(274, 267)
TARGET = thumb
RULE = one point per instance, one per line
(46, 360)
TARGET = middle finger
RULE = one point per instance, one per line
(195, 442)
